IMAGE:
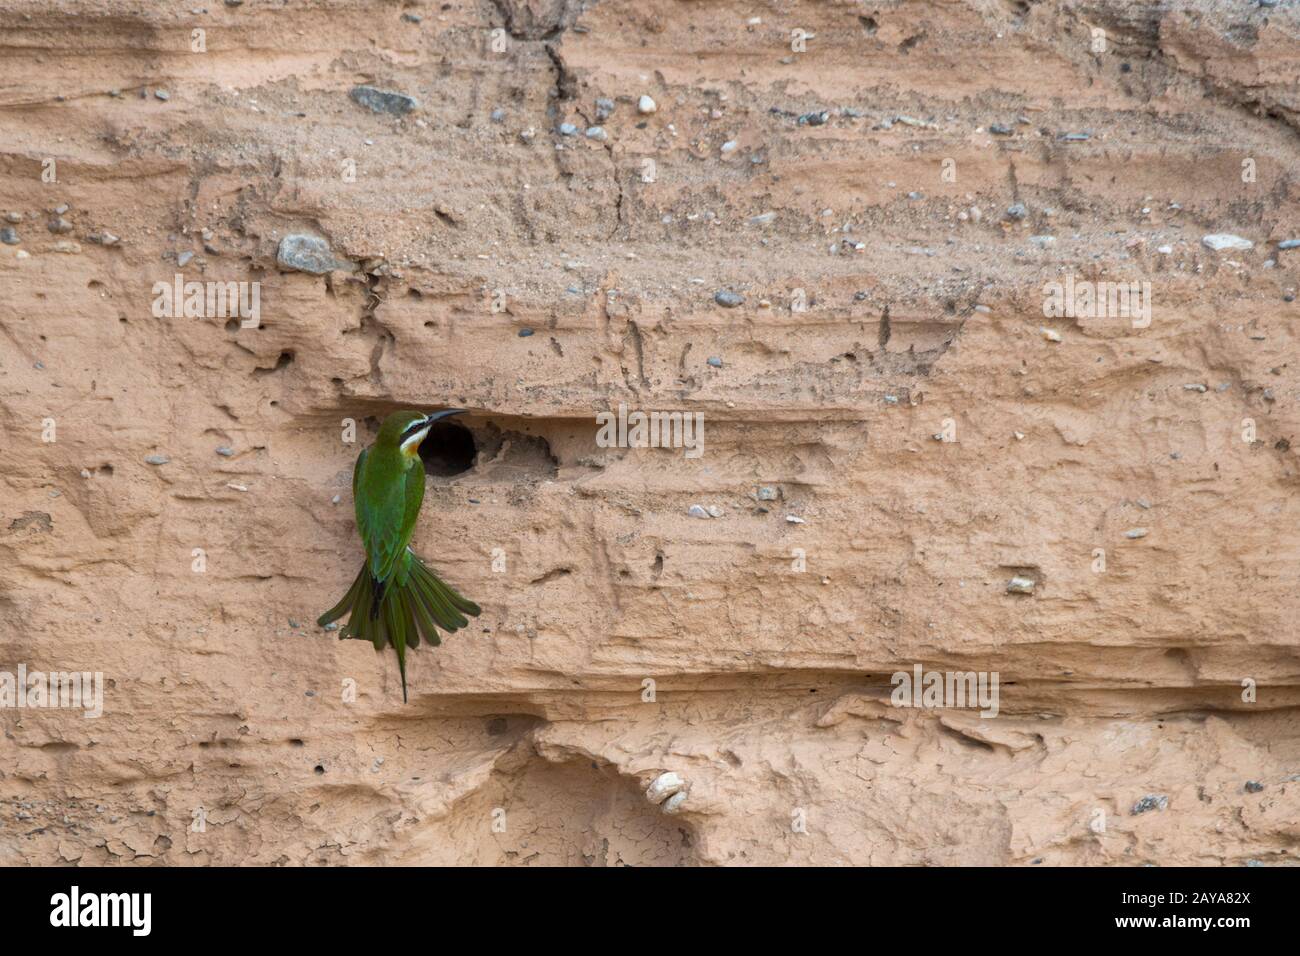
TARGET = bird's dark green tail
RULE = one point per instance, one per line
(412, 602)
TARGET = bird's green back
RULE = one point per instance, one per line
(388, 490)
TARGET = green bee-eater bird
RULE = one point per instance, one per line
(395, 597)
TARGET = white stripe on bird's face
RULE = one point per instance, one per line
(411, 447)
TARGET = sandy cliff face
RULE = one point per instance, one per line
(888, 203)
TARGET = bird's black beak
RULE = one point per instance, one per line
(445, 413)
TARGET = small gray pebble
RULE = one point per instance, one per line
(383, 101)
(156, 459)
(715, 361)
(1152, 801)
(728, 300)
(307, 253)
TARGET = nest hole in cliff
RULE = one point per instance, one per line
(448, 450)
